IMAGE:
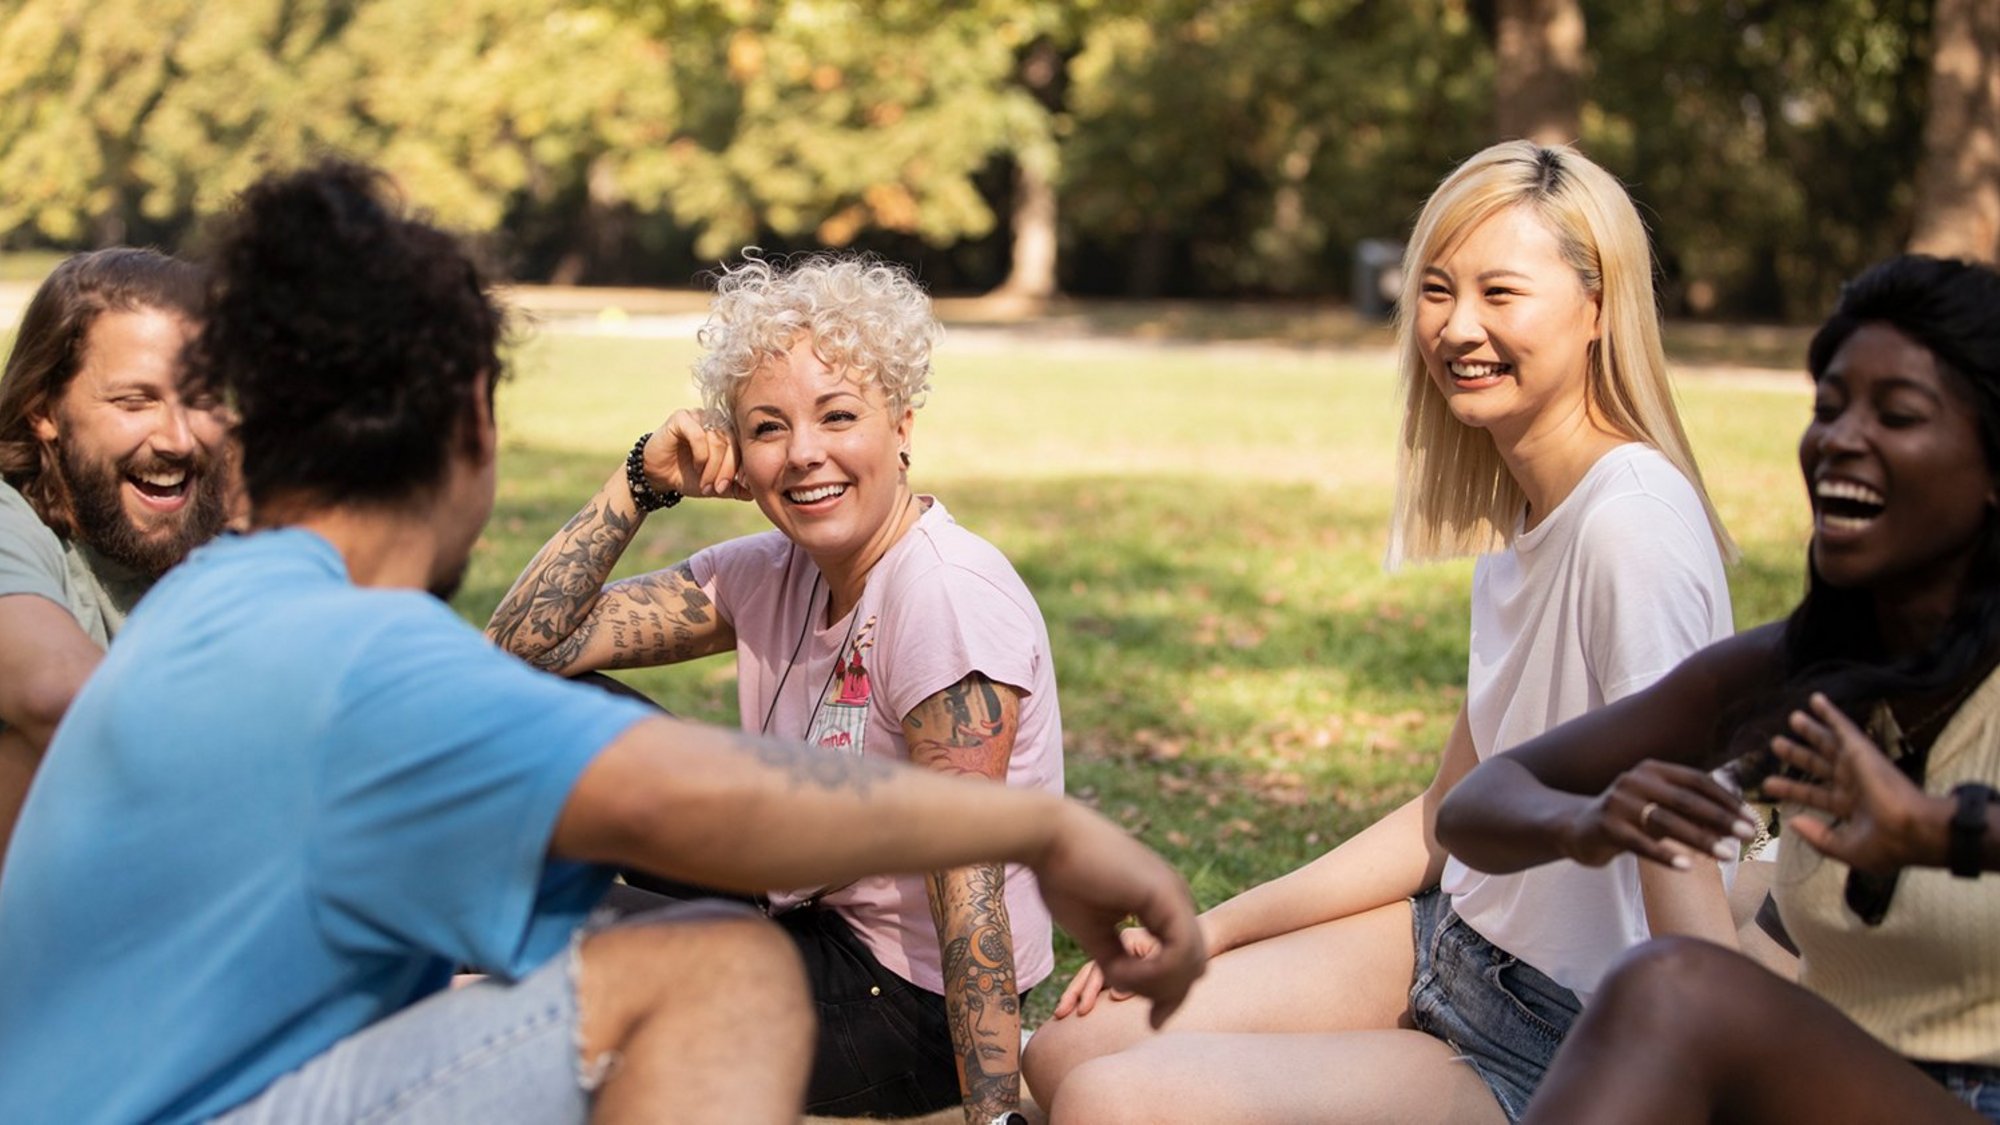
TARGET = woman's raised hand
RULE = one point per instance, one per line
(1876, 815)
(1660, 811)
(683, 457)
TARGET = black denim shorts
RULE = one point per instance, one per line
(884, 1046)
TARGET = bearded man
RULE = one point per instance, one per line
(109, 475)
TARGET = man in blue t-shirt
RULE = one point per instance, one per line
(302, 790)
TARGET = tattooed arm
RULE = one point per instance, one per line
(968, 729)
(731, 810)
(560, 616)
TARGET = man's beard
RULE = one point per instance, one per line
(96, 491)
(446, 588)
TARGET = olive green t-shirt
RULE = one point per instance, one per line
(34, 560)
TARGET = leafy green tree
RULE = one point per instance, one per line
(118, 118)
(1772, 142)
(1246, 146)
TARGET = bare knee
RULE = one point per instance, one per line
(1059, 1046)
(1108, 1090)
(726, 970)
(1674, 988)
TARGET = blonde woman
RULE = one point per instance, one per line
(868, 622)
(1384, 980)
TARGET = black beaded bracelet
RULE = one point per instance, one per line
(643, 494)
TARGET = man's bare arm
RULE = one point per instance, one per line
(45, 657)
(736, 811)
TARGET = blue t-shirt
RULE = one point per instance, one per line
(282, 809)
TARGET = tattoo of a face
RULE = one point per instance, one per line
(982, 1004)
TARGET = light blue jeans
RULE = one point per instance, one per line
(490, 1051)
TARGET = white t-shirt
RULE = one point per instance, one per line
(940, 605)
(1621, 582)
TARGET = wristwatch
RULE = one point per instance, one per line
(1011, 1117)
(1965, 845)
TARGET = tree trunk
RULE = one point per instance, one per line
(1031, 274)
(1958, 181)
(1538, 88)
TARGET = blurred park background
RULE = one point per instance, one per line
(1180, 148)
(1156, 395)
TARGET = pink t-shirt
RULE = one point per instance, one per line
(942, 604)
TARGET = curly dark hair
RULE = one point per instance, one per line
(1831, 643)
(350, 336)
(48, 351)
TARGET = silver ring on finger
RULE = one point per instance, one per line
(1646, 817)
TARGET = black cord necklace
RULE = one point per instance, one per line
(839, 654)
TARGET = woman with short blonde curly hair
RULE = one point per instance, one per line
(866, 316)
(868, 622)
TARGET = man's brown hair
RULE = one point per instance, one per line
(48, 350)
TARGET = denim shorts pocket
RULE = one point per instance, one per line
(1544, 1007)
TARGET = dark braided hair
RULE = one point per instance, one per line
(350, 338)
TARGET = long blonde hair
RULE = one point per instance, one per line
(1454, 496)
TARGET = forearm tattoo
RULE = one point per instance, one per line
(806, 767)
(968, 729)
(982, 1004)
(655, 618)
(558, 607)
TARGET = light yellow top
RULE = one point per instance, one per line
(1926, 982)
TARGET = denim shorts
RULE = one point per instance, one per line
(1501, 1014)
(884, 1046)
(489, 1051)
(1976, 1086)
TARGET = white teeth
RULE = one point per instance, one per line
(164, 479)
(1848, 490)
(809, 495)
(1843, 523)
(1463, 370)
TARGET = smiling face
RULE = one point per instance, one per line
(146, 469)
(1505, 327)
(1900, 487)
(820, 455)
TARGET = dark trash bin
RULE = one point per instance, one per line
(1378, 277)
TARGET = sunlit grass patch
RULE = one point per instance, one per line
(1242, 684)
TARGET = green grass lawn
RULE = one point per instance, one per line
(1242, 684)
